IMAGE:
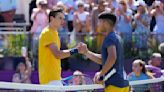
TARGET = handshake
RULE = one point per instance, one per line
(82, 48)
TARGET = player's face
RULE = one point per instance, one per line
(58, 20)
(101, 25)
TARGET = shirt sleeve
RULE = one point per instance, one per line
(109, 42)
(49, 38)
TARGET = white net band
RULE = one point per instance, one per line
(8, 85)
(148, 81)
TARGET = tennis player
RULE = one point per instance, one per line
(111, 57)
(50, 54)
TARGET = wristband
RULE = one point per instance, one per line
(74, 51)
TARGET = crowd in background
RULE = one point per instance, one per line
(134, 17)
(139, 17)
(81, 16)
(142, 71)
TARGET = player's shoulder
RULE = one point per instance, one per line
(46, 31)
(112, 35)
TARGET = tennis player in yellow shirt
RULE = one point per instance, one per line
(50, 54)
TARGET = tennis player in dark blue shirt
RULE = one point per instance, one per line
(111, 57)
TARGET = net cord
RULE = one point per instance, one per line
(9, 85)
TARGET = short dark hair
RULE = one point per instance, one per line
(108, 16)
(54, 12)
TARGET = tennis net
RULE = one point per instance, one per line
(149, 85)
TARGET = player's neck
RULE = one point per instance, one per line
(109, 29)
(51, 26)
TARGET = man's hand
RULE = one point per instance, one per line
(97, 77)
(82, 48)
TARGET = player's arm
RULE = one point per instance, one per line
(60, 54)
(111, 59)
(94, 57)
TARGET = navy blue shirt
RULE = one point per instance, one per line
(116, 79)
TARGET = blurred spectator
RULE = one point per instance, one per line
(124, 27)
(150, 6)
(23, 72)
(81, 22)
(139, 73)
(78, 78)
(40, 20)
(70, 3)
(52, 3)
(39, 16)
(90, 5)
(96, 11)
(7, 9)
(70, 11)
(161, 48)
(154, 68)
(113, 5)
(71, 8)
(102, 6)
(141, 26)
(152, 23)
(149, 2)
(131, 5)
(81, 19)
(31, 6)
(158, 12)
(154, 65)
